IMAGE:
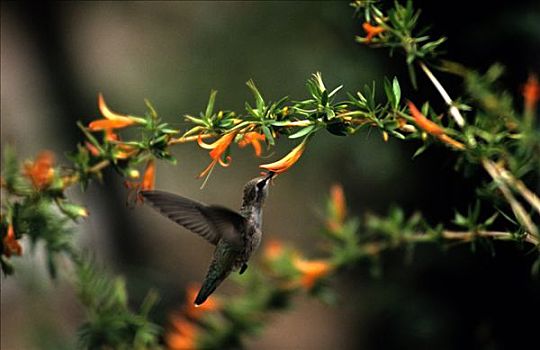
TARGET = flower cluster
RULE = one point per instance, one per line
(183, 329)
(489, 134)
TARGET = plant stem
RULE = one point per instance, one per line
(454, 111)
(374, 248)
(520, 213)
(520, 187)
(189, 139)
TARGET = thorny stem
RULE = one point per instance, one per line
(99, 166)
(189, 139)
(499, 235)
(454, 111)
(519, 186)
(517, 208)
(375, 248)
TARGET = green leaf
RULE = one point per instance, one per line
(151, 108)
(389, 92)
(397, 91)
(324, 98)
(302, 132)
(210, 106)
(268, 134)
(412, 75)
(331, 94)
(460, 220)
(259, 101)
(419, 151)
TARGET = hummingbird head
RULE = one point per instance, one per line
(256, 190)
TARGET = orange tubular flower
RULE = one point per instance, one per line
(11, 245)
(372, 31)
(217, 148)
(146, 184)
(286, 162)
(339, 208)
(423, 122)
(149, 177)
(195, 312)
(254, 139)
(311, 271)
(40, 171)
(182, 334)
(432, 128)
(273, 250)
(531, 92)
(112, 120)
(91, 148)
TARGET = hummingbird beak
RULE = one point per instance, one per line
(270, 175)
(266, 179)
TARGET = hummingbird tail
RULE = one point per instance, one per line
(209, 286)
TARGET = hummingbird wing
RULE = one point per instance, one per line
(211, 222)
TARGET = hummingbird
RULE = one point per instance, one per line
(236, 235)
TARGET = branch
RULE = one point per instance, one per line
(522, 216)
(454, 111)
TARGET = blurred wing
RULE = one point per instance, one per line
(210, 222)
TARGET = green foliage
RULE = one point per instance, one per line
(482, 126)
(110, 323)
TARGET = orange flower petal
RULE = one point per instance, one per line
(182, 334)
(273, 250)
(106, 112)
(372, 31)
(217, 149)
(450, 141)
(112, 120)
(41, 171)
(149, 177)
(91, 148)
(105, 124)
(254, 139)
(311, 271)
(11, 245)
(110, 135)
(338, 203)
(424, 123)
(531, 92)
(208, 169)
(286, 162)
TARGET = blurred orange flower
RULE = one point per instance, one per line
(146, 184)
(273, 250)
(311, 271)
(91, 148)
(432, 128)
(531, 92)
(371, 31)
(286, 162)
(123, 151)
(112, 120)
(181, 335)
(253, 138)
(11, 245)
(195, 312)
(40, 171)
(217, 148)
(338, 208)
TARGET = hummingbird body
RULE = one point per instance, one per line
(236, 234)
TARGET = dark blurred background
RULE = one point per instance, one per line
(56, 57)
